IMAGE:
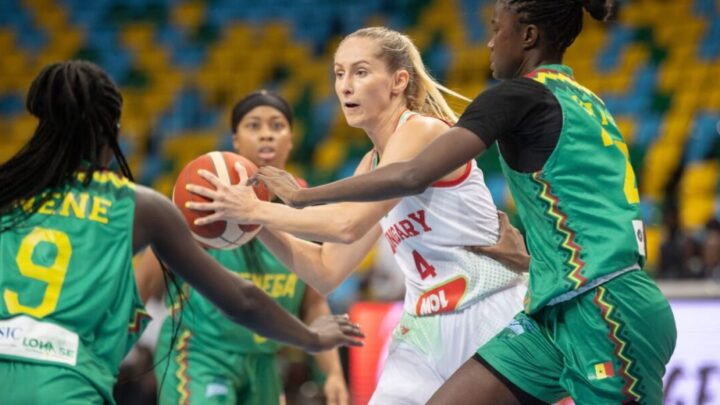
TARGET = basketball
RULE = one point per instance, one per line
(221, 234)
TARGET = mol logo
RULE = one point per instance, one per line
(444, 298)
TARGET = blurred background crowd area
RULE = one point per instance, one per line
(181, 65)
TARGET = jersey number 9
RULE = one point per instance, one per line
(52, 274)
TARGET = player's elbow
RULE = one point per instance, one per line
(247, 308)
(325, 288)
(350, 230)
(335, 277)
(412, 181)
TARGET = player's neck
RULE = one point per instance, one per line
(385, 126)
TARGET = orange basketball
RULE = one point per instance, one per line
(221, 234)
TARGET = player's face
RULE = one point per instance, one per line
(264, 136)
(362, 82)
(506, 45)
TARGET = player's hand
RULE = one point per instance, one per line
(280, 183)
(336, 392)
(510, 248)
(333, 331)
(229, 202)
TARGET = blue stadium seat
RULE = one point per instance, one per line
(619, 37)
(704, 134)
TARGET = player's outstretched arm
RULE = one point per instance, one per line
(339, 223)
(445, 154)
(323, 267)
(160, 224)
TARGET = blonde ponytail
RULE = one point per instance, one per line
(423, 93)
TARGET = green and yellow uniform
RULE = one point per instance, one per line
(70, 309)
(215, 361)
(593, 319)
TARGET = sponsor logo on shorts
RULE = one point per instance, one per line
(444, 298)
(215, 389)
(515, 327)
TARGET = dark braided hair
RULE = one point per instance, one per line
(78, 110)
(561, 20)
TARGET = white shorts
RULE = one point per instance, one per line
(426, 351)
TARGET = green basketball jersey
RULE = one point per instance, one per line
(254, 263)
(69, 296)
(580, 211)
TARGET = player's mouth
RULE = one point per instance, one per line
(266, 153)
(350, 106)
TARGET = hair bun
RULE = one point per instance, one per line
(602, 10)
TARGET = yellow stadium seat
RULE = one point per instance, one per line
(329, 154)
(137, 36)
(626, 125)
(238, 36)
(188, 15)
(187, 146)
(164, 183)
(275, 35)
(153, 59)
(14, 64)
(7, 39)
(670, 76)
(660, 162)
(653, 239)
(22, 127)
(698, 188)
(711, 100)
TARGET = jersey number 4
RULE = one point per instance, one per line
(52, 274)
(630, 187)
(423, 267)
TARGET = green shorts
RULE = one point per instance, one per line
(608, 345)
(34, 383)
(195, 373)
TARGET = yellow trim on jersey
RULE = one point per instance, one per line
(104, 177)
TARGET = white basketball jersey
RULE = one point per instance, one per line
(428, 233)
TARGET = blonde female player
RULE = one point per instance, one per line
(455, 300)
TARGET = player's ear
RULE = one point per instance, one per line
(236, 140)
(531, 35)
(401, 78)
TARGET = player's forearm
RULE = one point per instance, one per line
(329, 362)
(315, 306)
(322, 224)
(391, 181)
(323, 267)
(302, 258)
(266, 317)
(446, 153)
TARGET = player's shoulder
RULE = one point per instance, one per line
(420, 126)
(427, 122)
(518, 87)
(148, 199)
